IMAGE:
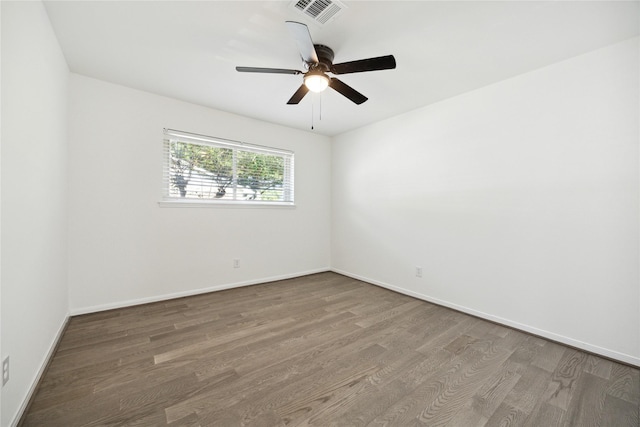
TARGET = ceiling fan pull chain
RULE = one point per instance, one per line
(312, 114)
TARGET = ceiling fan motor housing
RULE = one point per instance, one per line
(325, 58)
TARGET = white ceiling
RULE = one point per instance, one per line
(188, 50)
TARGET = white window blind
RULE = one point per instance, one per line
(199, 168)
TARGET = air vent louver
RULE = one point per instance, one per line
(321, 11)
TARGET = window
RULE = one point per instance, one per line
(204, 169)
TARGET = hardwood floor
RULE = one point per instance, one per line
(322, 350)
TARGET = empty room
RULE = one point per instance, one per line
(320, 212)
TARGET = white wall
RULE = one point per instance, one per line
(124, 248)
(34, 209)
(1, 353)
(519, 201)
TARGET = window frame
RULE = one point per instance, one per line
(172, 135)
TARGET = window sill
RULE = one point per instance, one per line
(227, 204)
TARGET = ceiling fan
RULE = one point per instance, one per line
(318, 61)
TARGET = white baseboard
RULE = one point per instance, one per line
(165, 297)
(610, 354)
(40, 373)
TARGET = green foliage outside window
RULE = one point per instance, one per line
(208, 172)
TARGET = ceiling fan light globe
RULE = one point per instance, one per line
(316, 82)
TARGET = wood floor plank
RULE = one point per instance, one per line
(381, 390)
(529, 390)
(507, 416)
(320, 350)
(546, 414)
(492, 393)
(549, 358)
(564, 378)
(424, 389)
(587, 409)
(598, 366)
(625, 383)
(619, 412)
(460, 388)
(391, 363)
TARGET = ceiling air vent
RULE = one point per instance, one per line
(321, 11)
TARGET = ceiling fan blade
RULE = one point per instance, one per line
(300, 33)
(347, 91)
(387, 62)
(300, 93)
(267, 70)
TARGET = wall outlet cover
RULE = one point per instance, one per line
(5, 370)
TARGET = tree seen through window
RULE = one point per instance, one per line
(198, 171)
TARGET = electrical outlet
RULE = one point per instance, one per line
(236, 263)
(5, 370)
(418, 271)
